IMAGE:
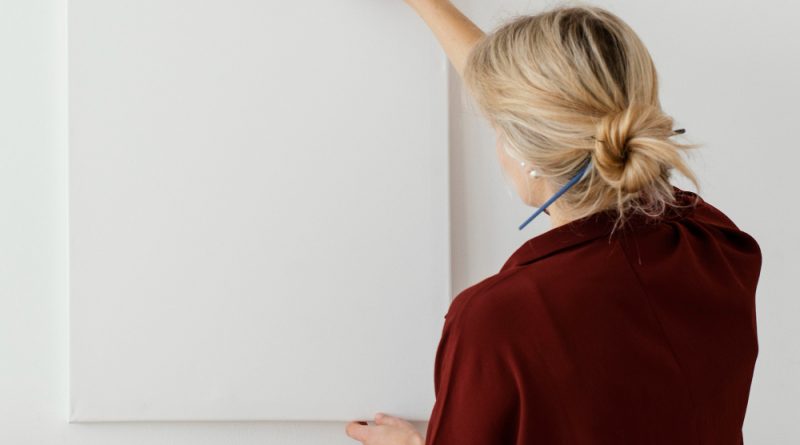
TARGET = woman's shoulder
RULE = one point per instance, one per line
(490, 307)
(710, 216)
(559, 281)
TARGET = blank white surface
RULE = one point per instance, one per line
(258, 211)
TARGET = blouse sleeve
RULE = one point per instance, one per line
(476, 396)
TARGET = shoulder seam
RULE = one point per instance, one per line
(494, 280)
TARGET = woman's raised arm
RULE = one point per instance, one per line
(455, 32)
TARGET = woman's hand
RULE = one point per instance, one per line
(388, 430)
(454, 31)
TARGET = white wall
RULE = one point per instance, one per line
(728, 76)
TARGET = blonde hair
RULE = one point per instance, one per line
(575, 82)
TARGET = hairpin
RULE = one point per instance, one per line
(674, 132)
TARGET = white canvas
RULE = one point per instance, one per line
(258, 210)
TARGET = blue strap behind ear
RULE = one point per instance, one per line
(557, 194)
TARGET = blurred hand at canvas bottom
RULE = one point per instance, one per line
(388, 430)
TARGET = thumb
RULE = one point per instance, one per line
(357, 431)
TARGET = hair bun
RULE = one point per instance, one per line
(631, 146)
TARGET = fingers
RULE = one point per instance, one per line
(387, 430)
(385, 419)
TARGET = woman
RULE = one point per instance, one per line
(632, 320)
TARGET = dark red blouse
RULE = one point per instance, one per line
(646, 337)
